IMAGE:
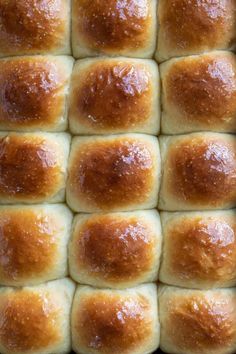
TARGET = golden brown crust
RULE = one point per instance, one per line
(29, 168)
(202, 325)
(27, 321)
(111, 323)
(203, 89)
(28, 26)
(202, 249)
(194, 25)
(28, 244)
(31, 92)
(124, 86)
(114, 248)
(202, 171)
(110, 174)
(111, 25)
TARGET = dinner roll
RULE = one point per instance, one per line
(115, 321)
(199, 172)
(199, 249)
(199, 93)
(195, 26)
(36, 320)
(114, 27)
(33, 243)
(33, 92)
(115, 250)
(33, 167)
(115, 95)
(34, 27)
(113, 173)
(197, 321)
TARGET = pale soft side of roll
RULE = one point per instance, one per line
(34, 27)
(199, 249)
(113, 173)
(33, 167)
(36, 320)
(199, 172)
(197, 321)
(188, 27)
(199, 93)
(115, 95)
(115, 321)
(115, 250)
(33, 243)
(33, 92)
(114, 27)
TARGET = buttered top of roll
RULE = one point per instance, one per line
(125, 85)
(111, 25)
(29, 242)
(115, 247)
(106, 321)
(192, 26)
(29, 27)
(32, 91)
(201, 247)
(111, 173)
(30, 167)
(201, 169)
(202, 88)
(28, 321)
(199, 322)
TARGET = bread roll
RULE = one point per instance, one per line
(113, 173)
(33, 167)
(34, 27)
(115, 250)
(33, 243)
(199, 249)
(197, 321)
(114, 27)
(199, 172)
(35, 320)
(33, 92)
(111, 95)
(195, 26)
(199, 93)
(115, 321)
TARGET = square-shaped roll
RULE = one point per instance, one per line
(116, 250)
(115, 321)
(199, 93)
(33, 92)
(199, 249)
(197, 321)
(34, 27)
(36, 320)
(199, 172)
(115, 95)
(33, 243)
(194, 26)
(33, 167)
(114, 27)
(113, 173)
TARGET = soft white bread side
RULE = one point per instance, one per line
(112, 27)
(33, 167)
(33, 243)
(197, 321)
(115, 321)
(36, 320)
(115, 95)
(116, 250)
(113, 173)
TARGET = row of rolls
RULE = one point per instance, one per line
(112, 274)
